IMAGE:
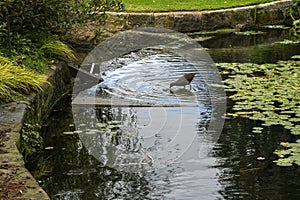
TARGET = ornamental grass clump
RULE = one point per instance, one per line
(56, 48)
(16, 82)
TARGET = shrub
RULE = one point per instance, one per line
(43, 16)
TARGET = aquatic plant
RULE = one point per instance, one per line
(247, 33)
(294, 13)
(268, 93)
(16, 82)
(31, 140)
(295, 31)
(289, 154)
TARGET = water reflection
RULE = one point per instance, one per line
(155, 136)
(77, 174)
(231, 171)
(266, 47)
(242, 174)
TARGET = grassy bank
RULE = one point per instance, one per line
(176, 5)
(21, 73)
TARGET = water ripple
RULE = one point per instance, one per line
(147, 79)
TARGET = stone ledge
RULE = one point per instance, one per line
(188, 21)
(12, 117)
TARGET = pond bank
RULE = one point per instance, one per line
(16, 181)
(188, 21)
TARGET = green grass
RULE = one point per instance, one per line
(184, 5)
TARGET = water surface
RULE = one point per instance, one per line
(165, 152)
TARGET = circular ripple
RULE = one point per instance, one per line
(148, 79)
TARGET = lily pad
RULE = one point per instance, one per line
(296, 57)
(284, 162)
(257, 129)
(101, 125)
(250, 33)
(268, 93)
(288, 42)
(68, 133)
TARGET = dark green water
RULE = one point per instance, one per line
(231, 168)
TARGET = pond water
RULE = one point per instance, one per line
(137, 79)
(170, 152)
(264, 45)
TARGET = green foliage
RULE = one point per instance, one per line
(16, 81)
(3, 32)
(37, 56)
(295, 31)
(24, 25)
(294, 13)
(268, 93)
(31, 140)
(36, 16)
(54, 47)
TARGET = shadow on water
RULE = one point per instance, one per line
(237, 166)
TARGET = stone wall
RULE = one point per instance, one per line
(41, 104)
(16, 182)
(270, 13)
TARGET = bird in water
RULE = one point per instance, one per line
(184, 80)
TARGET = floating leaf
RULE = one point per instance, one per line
(284, 162)
(250, 33)
(257, 129)
(296, 130)
(288, 42)
(78, 131)
(112, 133)
(101, 125)
(269, 93)
(296, 57)
(284, 144)
(90, 133)
(260, 158)
(114, 122)
(68, 133)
